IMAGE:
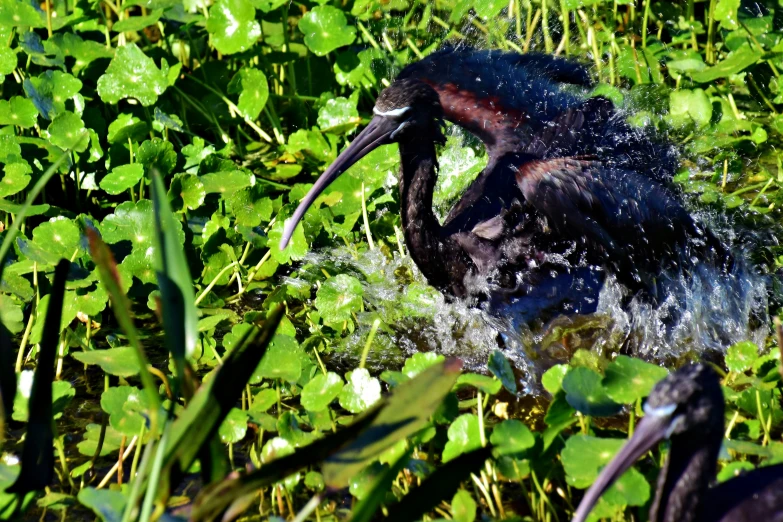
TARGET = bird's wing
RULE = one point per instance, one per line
(754, 496)
(637, 222)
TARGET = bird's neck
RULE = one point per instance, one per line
(684, 480)
(437, 257)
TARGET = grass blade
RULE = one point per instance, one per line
(180, 317)
(107, 269)
(37, 455)
(364, 510)
(439, 486)
(407, 410)
(209, 407)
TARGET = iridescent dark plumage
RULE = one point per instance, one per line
(570, 190)
(687, 408)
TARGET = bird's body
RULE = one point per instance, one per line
(687, 408)
(569, 192)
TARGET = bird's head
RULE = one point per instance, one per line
(404, 110)
(686, 404)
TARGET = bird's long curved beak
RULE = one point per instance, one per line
(378, 132)
(653, 428)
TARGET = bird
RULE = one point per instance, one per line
(570, 190)
(687, 408)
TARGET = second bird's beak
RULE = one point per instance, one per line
(378, 132)
(653, 428)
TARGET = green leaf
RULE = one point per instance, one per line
(106, 503)
(361, 391)
(234, 426)
(158, 154)
(735, 62)
(281, 361)
(112, 441)
(501, 368)
(137, 23)
(132, 74)
(186, 191)
(120, 361)
(226, 182)
(127, 407)
(254, 92)
(419, 362)
(464, 436)
(552, 380)
(67, 132)
(18, 111)
(726, 14)
(122, 178)
(18, 13)
(326, 29)
(690, 106)
(627, 379)
(16, 177)
(511, 437)
(463, 507)
(338, 116)
(585, 393)
(321, 390)
(741, 356)
(232, 26)
(126, 127)
(484, 383)
(338, 297)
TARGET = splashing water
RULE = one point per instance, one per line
(702, 315)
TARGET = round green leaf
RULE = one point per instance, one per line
(741, 356)
(338, 297)
(463, 507)
(321, 390)
(418, 362)
(234, 426)
(67, 132)
(510, 437)
(552, 380)
(464, 436)
(628, 379)
(325, 29)
(16, 177)
(361, 392)
(121, 361)
(281, 361)
(338, 115)
(186, 190)
(122, 178)
(125, 405)
(232, 26)
(18, 111)
(585, 393)
(254, 92)
(132, 74)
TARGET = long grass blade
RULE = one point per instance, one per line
(121, 306)
(38, 456)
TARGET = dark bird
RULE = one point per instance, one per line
(569, 191)
(687, 408)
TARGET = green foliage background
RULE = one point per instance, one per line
(238, 105)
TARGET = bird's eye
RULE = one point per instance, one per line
(392, 114)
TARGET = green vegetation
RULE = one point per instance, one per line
(151, 152)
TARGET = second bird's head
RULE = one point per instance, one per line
(407, 108)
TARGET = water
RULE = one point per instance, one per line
(702, 316)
